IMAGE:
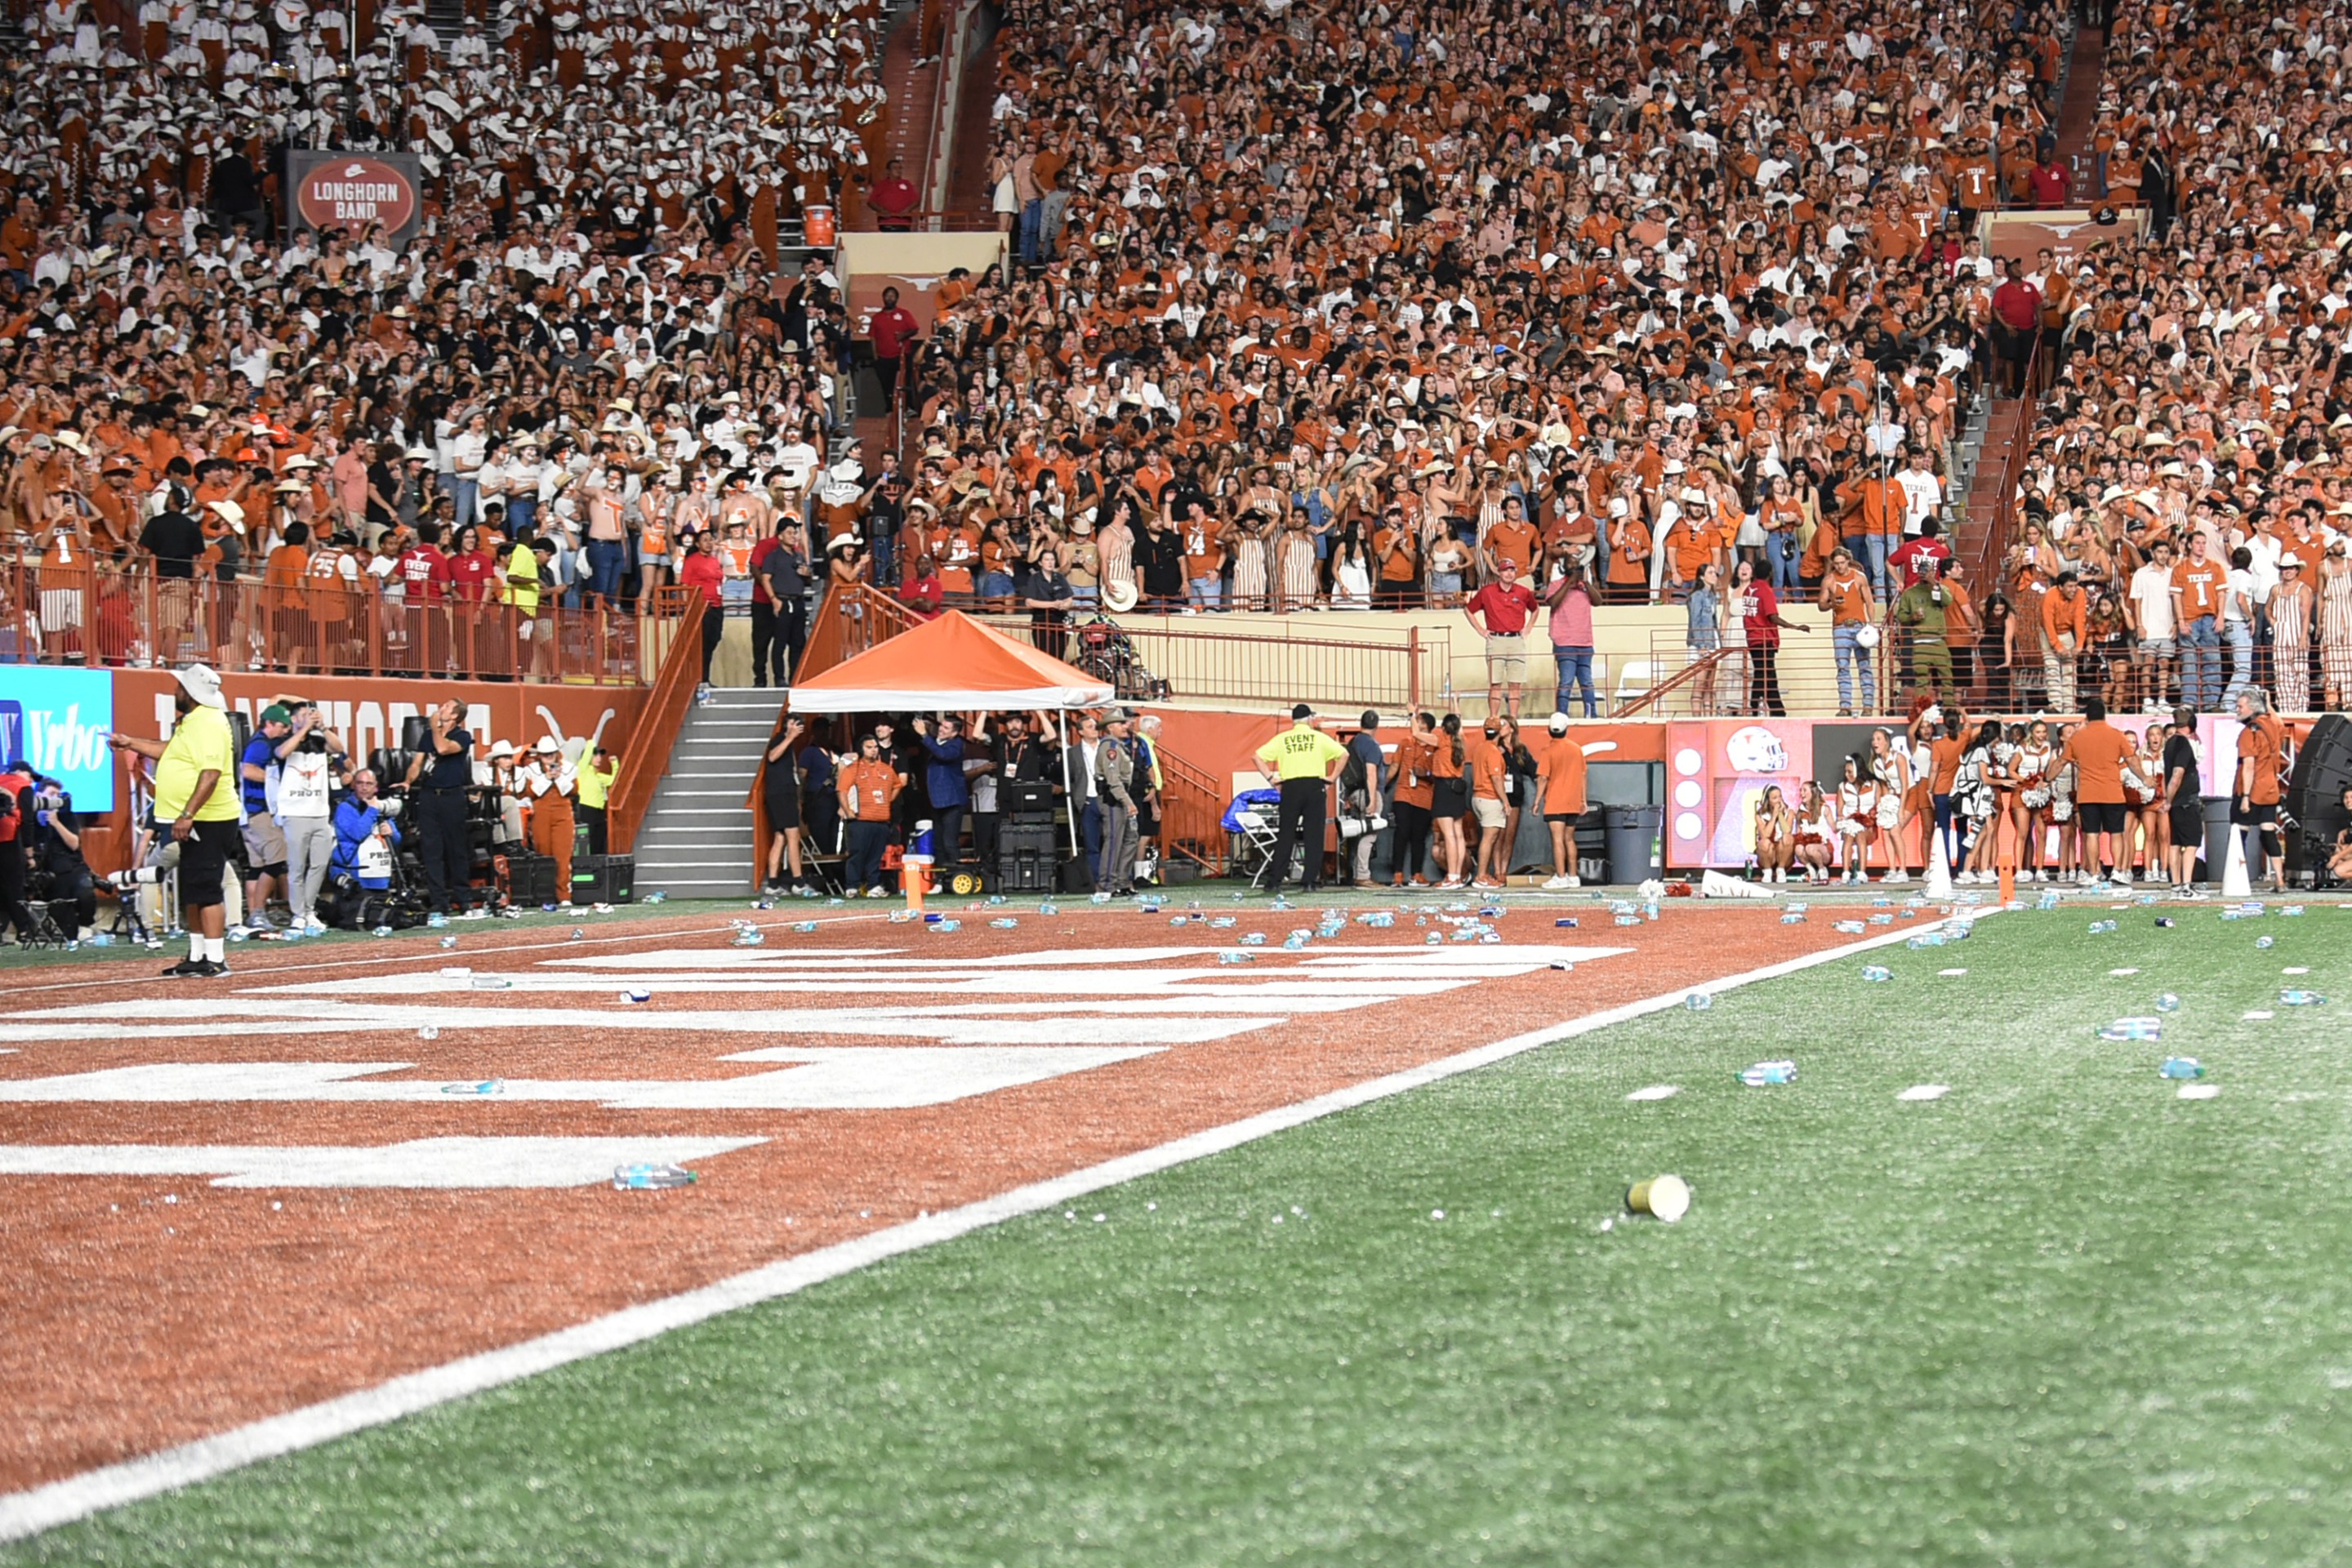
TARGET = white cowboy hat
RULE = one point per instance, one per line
(1119, 597)
(202, 684)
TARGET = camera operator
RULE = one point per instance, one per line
(15, 812)
(311, 762)
(195, 804)
(367, 834)
(56, 850)
(438, 779)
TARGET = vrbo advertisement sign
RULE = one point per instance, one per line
(56, 721)
(355, 192)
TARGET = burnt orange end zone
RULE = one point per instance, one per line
(146, 1312)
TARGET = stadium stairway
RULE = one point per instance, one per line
(696, 841)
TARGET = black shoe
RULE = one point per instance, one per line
(210, 969)
(183, 969)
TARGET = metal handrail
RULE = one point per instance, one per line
(1709, 664)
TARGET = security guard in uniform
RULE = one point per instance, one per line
(1301, 758)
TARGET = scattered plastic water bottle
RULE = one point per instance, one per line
(947, 925)
(804, 926)
(1629, 920)
(1650, 910)
(2289, 911)
(635, 995)
(1697, 1001)
(577, 932)
(834, 903)
(1798, 906)
(436, 920)
(2233, 914)
(1294, 942)
(1620, 906)
(1931, 938)
(2181, 1066)
(1099, 897)
(380, 930)
(2168, 1003)
(1003, 923)
(2103, 928)
(1882, 919)
(1566, 924)
(2263, 943)
(751, 937)
(1282, 903)
(2134, 1029)
(1851, 928)
(1178, 921)
(1233, 958)
(492, 982)
(2302, 999)
(448, 943)
(1882, 903)
(1381, 920)
(1047, 909)
(1222, 922)
(651, 1178)
(656, 898)
(1764, 1073)
(102, 939)
(484, 1086)
(1792, 919)
(2048, 900)
(1433, 939)
(1253, 938)
(2252, 909)
(994, 899)
(429, 1032)
(1877, 973)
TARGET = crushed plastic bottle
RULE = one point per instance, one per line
(484, 1086)
(380, 930)
(1294, 942)
(577, 932)
(994, 899)
(751, 937)
(1792, 918)
(1002, 922)
(1882, 919)
(1381, 920)
(1850, 928)
(1697, 1001)
(1798, 906)
(1650, 910)
(436, 920)
(1234, 958)
(2168, 1003)
(1433, 939)
(651, 1178)
(1926, 940)
(947, 925)
(429, 1032)
(101, 939)
(1877, 973)
(2181, 1066)
(2103, 928)
(1099, 897)
(1047, 909)
(1222, 922)
(2046, 899)
(2302, 999)
(1253, 938)
(804, 926)
(1764, 1073)
(656, 898)
(1179, 920)
(2289, 911)
(2134, 1029)
(635, 995)
(2263, 943)
(1629, 920)
(492, 982)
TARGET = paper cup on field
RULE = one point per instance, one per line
(1660, 1197)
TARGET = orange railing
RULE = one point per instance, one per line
(1192, 814)
(678, 674)
(851, 618)
(100, 612)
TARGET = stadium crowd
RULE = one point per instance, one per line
(1307, 308)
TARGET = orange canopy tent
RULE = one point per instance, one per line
(950, 663)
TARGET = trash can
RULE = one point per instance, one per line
(1633, 841)
(2217, 838)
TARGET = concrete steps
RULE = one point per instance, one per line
(696, 841)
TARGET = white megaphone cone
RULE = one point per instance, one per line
(2234, 884)
(1939, 868)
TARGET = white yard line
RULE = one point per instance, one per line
(61, 1502)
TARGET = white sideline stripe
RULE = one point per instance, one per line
(78, 1497)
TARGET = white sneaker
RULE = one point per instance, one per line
(1897, 875)
(878, 893)
(2122, 878)
(1556, 884)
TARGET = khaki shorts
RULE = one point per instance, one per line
(1507, 659)
(1487, 810)
(265, 845)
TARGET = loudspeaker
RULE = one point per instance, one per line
(415, 734)
(2315, 795)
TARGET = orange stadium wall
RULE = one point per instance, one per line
(368, 715)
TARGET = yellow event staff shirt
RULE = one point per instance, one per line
(594, 785)
(1302, 751)
(201, 742)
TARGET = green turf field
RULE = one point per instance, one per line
(2059, 1316)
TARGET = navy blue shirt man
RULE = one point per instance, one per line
(438, 779)
(944, 782)
(264, 841)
